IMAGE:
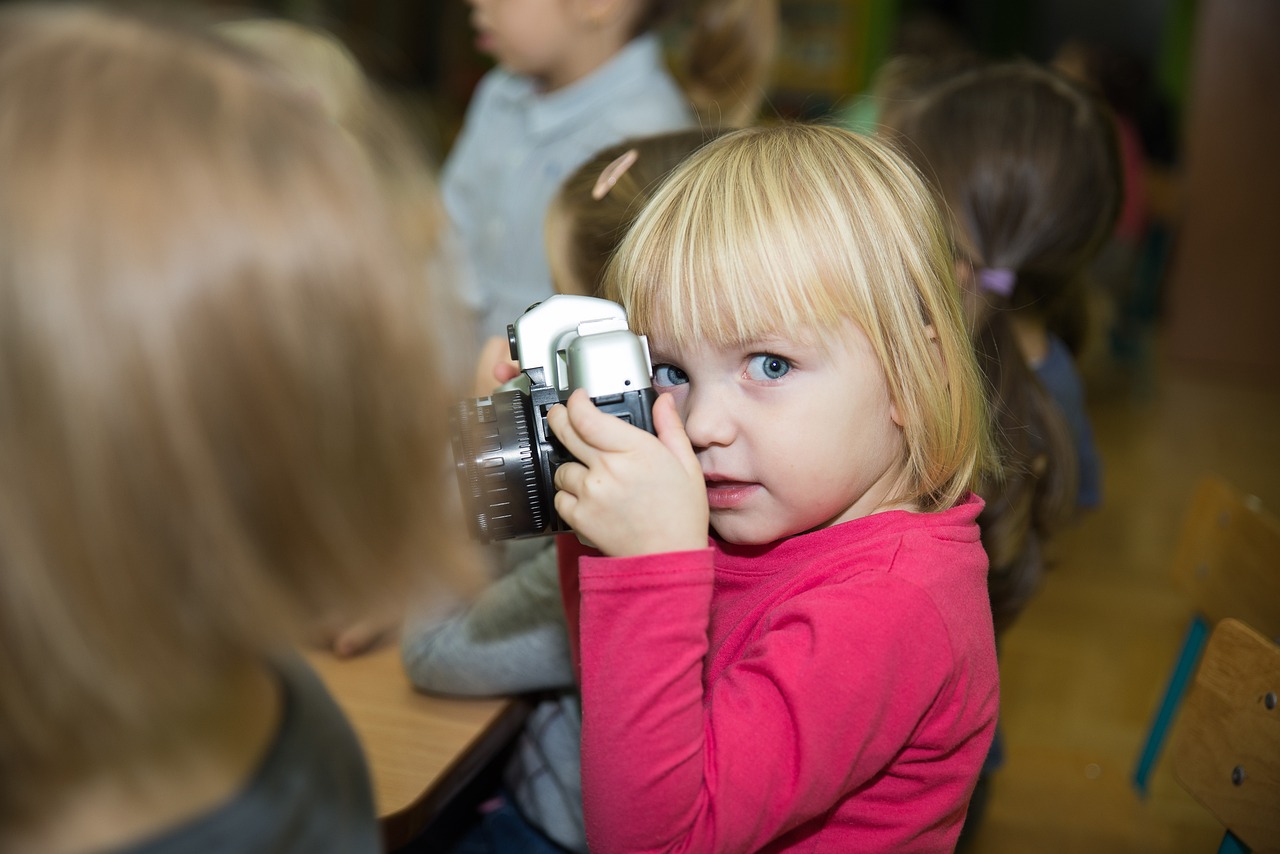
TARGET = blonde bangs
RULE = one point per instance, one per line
(734, 248)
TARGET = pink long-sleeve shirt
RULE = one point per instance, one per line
(832, 692)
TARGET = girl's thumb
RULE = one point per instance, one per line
(670, 430)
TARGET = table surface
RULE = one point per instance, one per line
(421, 749)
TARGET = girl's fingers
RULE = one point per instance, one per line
(602, 432)
(566, 431)
(569, 477)
(586, 431)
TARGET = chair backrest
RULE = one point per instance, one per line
(1228, 557)
(1226, 746)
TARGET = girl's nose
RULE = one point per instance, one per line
(708, 419)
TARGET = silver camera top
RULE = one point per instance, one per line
(569, 342)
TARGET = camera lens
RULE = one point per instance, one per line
(494, 457)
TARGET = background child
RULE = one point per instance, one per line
(1026, 163)
(202, 285)
(822, 677)
(571, 79)
(512, 638)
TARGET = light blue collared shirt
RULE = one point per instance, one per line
(516, 147)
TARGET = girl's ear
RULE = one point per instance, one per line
(895, 414)
(600, 12)
(932, 335)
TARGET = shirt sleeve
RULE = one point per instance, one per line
(824, 696)
(510, 639)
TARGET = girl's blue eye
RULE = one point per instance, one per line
(666, 376)
(766, 366)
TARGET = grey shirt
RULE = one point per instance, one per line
(517, 145)
(310, 794)
(513, 639)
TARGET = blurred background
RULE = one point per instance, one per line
(1182, 367)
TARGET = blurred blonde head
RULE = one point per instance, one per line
(326, 71)
(218, 409)
(792, 229)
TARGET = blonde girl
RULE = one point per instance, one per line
(215, 423)
(820, 674)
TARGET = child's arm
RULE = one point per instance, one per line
(510, 639)
(630, 493)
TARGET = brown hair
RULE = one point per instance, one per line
(1033, 182)
(727, 54)
(1026, 163)
(217, 410)
(588, 229)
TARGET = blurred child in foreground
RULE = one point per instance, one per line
(214, 426)
(325, 70)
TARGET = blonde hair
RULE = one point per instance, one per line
(326, 70)
(800, 227)
(218, 413)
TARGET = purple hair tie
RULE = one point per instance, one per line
(997, 280)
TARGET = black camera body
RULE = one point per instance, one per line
(504, 454)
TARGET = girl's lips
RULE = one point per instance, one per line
(727, 494)
(484, 41)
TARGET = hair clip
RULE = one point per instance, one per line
(997, 280)
(612, 173)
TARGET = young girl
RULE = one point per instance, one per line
(214, 424)
(571, 79)
(1027, 165)
(512, 638)
(822, 675)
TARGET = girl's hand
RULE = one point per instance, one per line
(347, 637)
(631, 493)
(494, 366)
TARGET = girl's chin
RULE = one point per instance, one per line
(735, 533)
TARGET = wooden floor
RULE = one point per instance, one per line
(1084, 667)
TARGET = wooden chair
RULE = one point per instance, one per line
(1226, 747)
(1228, 564)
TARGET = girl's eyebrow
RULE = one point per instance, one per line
(771, 343)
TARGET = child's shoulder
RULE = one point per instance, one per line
(954, 524)
(930, 552)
